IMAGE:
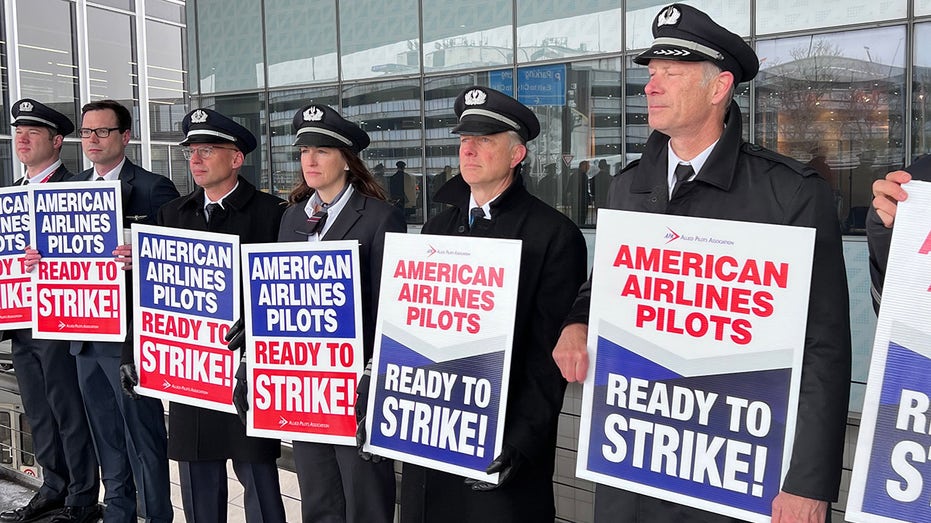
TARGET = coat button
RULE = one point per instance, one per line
(653, 199)
(462, 228)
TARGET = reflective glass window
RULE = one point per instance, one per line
(119, 4)
(921, 105)
(838, 104)
(48, 69)
(4, 78)
(457, 35)
(180, 174)
(378, 38)
(554, 30)
(112, 60)
(791, 15)
(72, 156)
(390, 113)
(248, 110)
(167, 78)
(229, 37)
(27, 455)
(442, 153)
(163, 10)
(134, 153)
(190, 14)
(922, 7)
(297, 54)
(575, 156)
(169, 162)
(6, 163)
(732, 14)
(6, 439)
(286, 160)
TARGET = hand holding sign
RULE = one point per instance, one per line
(129, 379)
(571, 352)
(362, 399)
(789, 508)
(124, 256)
(505, 465)
(236, 337)
(241, 392)
(31, 259)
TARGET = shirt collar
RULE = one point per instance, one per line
(113, 174)
(220, 201)
(46, 173)
(697, 163)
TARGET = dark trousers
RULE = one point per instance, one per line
(130, 438)
(48, 387)
(204, 491)
(337, 486)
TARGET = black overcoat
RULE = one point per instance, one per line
(745, 182)
(196, 434)
(552, 266)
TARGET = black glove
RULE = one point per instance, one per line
(506, 464)
(236, 337)
(129, 379)
(362, 401)
(241, 392)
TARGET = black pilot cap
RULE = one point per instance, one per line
(30, 112)
(484, 111)
(683, 33)
(209, 126)
(321, 126)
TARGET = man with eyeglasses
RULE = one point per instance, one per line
(202, 440)
(129, 432)
(45, 372)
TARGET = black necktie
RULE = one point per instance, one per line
(210, 209)
(475, 213)
(683, 173)
(100, 179)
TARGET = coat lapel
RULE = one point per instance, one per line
(348, 217)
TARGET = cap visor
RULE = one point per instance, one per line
(480, 126)
(317, 140)
(665, 52)
(204, 139)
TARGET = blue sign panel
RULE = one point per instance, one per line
(537, 85)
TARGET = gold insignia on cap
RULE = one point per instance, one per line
(199, 116)
(475, 97)
(313, 114)
(25, 107)
(669, 16)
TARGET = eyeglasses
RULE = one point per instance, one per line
(101, 132)
(204, 152)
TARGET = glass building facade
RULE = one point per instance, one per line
(843, 86)
(66, 53)
(835, 87)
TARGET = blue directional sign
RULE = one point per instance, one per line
(537, 85)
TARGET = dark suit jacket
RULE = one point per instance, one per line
(366, 220)
(143, 193)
